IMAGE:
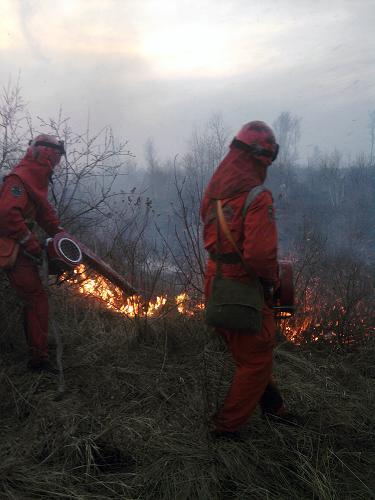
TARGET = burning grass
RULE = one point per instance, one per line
(325, 316)
(133, 420)
(322, 316)
(93, 286)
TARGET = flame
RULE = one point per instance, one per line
(311, 323)
(324, 316)
(113, 298)
(186, 306)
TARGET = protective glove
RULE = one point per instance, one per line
(33, 250)
(32, 246)
(268, 290)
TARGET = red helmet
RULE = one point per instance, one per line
(258, 139)
(46, 149)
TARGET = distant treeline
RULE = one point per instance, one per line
(324, 202)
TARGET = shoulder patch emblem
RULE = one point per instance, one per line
(16, 191)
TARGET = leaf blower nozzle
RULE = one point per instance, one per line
(64, 253)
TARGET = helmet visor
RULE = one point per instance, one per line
(60, 146)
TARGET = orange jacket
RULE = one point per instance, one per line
(16, 206)
(256, 233)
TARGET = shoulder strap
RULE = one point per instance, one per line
(224, 226)
(252, 194)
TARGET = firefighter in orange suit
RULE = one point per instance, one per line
(24, 199)
(244, 168)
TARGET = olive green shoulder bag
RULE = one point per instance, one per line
(233, 304)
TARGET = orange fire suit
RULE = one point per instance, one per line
(256, 236)
(23, 198)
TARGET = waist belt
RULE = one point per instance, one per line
(225, 258)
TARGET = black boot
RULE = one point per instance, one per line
(42, 366)
(226, 435)
(271, 399)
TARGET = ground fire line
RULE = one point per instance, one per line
(73, 262)
(92, 285)
(77, 265)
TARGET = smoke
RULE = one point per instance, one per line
(27, 10)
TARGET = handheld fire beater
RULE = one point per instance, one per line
(64, 253)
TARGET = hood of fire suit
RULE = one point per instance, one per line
(35, 176)
(237, 173)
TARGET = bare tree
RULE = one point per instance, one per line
(372, 135)
(287, 130)
(14, 125)
(207, 148)
(191, 175)
(87, 180)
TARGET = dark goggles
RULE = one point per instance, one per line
(256, 150)
(275, 153)
(60, 147)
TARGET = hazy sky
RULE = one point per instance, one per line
(153, 68)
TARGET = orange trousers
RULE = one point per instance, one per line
(25, 279)
(252, 383)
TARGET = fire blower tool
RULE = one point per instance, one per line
(284, 296)
(65, 253)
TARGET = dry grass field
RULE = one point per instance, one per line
(132, 422)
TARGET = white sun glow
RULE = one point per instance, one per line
(172, 40)
(193, 48)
